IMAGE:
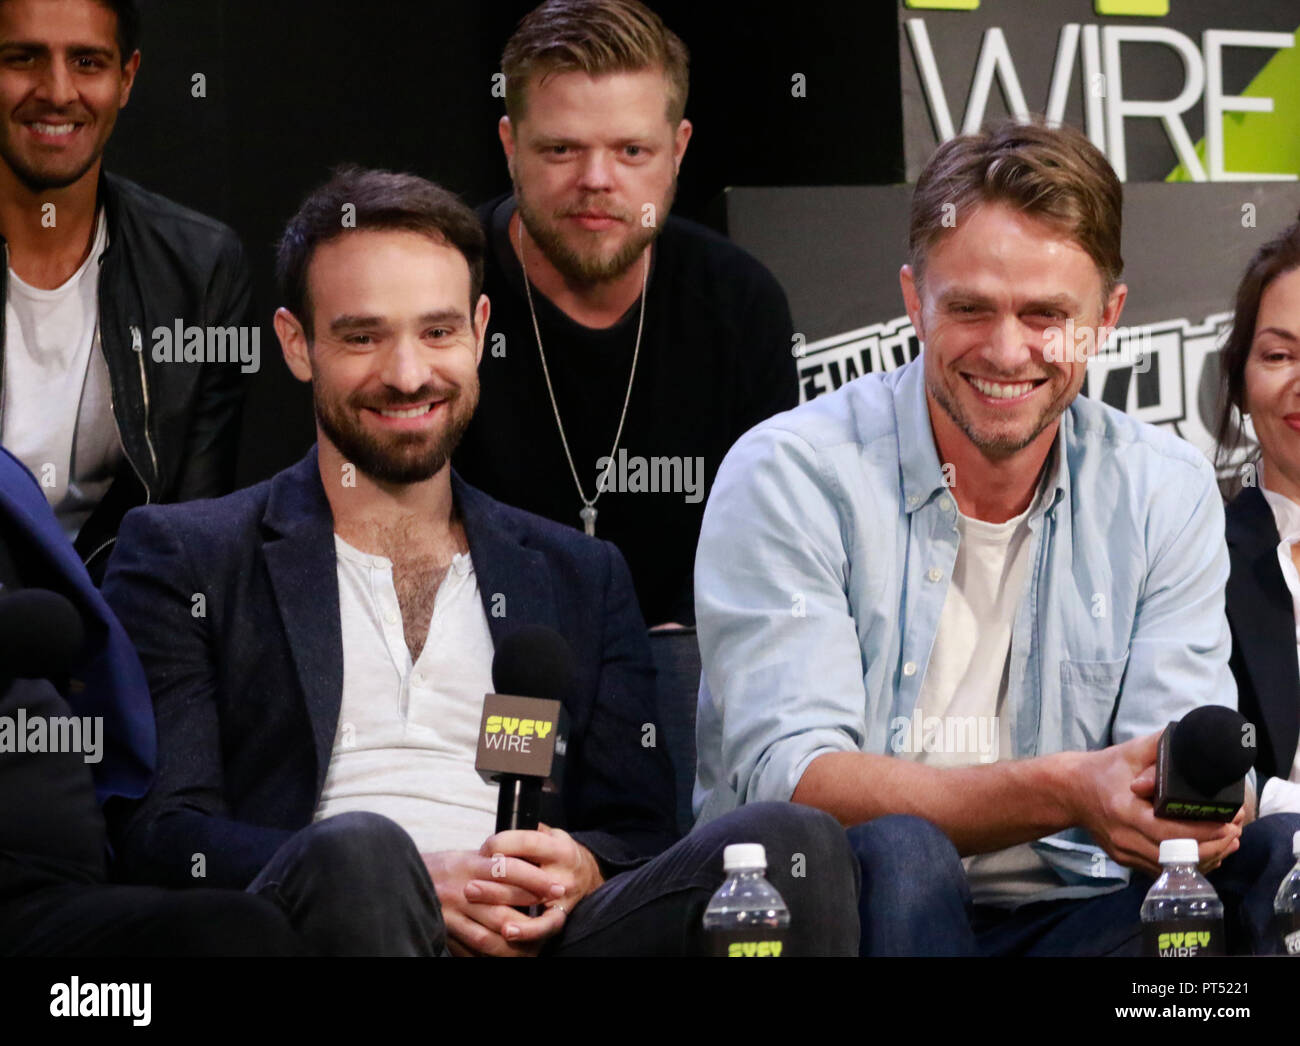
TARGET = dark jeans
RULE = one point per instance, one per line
(355, 885)
(48, 916)
(658, 909)
(915, 899)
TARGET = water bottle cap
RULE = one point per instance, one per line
(1179, 851)
(744, 855)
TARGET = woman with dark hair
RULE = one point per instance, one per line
(1261, 364)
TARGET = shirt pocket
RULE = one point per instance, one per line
(1089, 694)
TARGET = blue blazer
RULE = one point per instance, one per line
(108, 681)
(1262, 618)
(233, 605)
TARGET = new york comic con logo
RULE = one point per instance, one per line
(1164, 373)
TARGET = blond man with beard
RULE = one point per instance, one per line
(630, 348)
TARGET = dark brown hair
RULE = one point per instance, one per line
(1052, 173)
(1276, 258)
(378, 200)
(128, 25)
(594, 37)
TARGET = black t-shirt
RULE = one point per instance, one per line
(715, 360)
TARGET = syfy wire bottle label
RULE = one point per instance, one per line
(1182, 938)
(761, 942)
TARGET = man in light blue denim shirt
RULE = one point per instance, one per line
(963, 562)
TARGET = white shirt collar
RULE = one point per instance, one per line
(1286, 513)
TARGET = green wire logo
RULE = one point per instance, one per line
(1128, 8)
(1143, 8)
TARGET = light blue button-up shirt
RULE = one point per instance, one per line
(817, 604)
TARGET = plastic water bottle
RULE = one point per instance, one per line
(746, 918)
(1182, 916)
(1286, 906)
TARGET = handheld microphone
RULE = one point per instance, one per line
(1202, 763)
(524, 731)
(41, 634)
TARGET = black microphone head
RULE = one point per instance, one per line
(41, 634)
(1212, 748)
(534, 661)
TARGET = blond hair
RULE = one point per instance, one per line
(594, 37)
(1051, 173)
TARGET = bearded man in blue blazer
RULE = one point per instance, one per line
(318, 648)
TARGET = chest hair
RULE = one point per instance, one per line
(421, 558)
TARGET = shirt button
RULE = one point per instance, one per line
(947, 503)
(909, 669)
(390, 617)
(912, 501)
(934, 574)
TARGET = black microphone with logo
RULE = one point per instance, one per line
(524, 731)
(1202, 763)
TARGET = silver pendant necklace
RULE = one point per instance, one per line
(588, 511)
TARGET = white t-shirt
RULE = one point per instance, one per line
(57, 410)
(408, 734)
(965, 686)
(966, 673)
(1284, 796)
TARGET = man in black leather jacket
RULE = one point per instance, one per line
(125, 326)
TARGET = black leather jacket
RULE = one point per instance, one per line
(178, 422)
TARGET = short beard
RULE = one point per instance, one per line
(405, 460)
(37, 181)
(999, 447)
(585, 270)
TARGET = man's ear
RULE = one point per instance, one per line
(1110, 314)
(911, 299)
(481, 313)
(129, 71)
(680, 140)
(506, 132)
(293, 343)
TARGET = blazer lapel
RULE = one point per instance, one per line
(301, 562)
(1265, 619)
(514, 582)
